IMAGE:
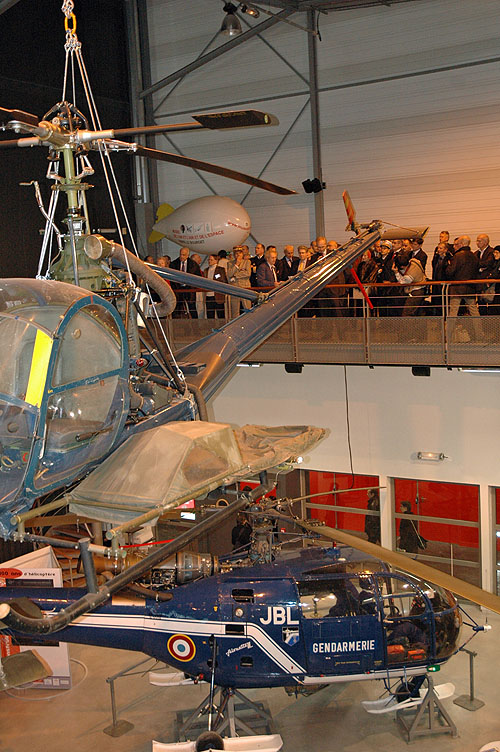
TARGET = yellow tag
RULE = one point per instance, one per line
(38, 370)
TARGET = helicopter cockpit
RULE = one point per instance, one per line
(63, 384)
(408, 621)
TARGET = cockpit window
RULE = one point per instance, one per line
(17, 341)
(441, 599)
(89, 346)
(337, 597)
(406, 620)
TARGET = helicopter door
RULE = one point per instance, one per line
(86, 398)
(341, 625)
(407, 620)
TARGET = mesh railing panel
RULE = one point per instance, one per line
(410, 340)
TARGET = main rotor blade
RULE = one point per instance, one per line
(6, 116)
(402, 561)
(197, 164)
(213, 121)
(13, 142)
(236, 119)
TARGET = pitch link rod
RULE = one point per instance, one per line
(11, 619)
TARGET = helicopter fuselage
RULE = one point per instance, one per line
(320, 617)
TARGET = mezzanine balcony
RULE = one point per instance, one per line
(363, 337)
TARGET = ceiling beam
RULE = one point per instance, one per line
(214, 54)
(6, 4)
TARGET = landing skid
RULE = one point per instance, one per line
(233, 714)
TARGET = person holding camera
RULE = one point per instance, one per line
(410, 272)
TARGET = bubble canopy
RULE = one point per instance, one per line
(63, 385)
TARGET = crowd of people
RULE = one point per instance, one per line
(395, 275)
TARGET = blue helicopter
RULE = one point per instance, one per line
(316, 616)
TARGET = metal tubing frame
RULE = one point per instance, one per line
(277, 148)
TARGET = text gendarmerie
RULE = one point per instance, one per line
(351, 646)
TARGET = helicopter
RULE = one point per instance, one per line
(321, 615)
(295, 619)
(84, 392)
(82, 380)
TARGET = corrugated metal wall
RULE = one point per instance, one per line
(413, 144)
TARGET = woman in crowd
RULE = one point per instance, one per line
(238, 272)
(367, 273)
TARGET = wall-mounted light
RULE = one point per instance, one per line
(485, 369)
(431, 456)
(231, 25)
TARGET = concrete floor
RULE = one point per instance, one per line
(331, 719)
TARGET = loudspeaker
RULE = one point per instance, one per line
(313, 186)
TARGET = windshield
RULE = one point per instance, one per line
(17, 426)
(441, 599)
(20, 376)
(19, 294)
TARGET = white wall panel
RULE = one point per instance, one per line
(421, 149)
(393, 415)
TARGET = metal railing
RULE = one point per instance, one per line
(337, 327)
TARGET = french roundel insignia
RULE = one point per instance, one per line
(181, 647)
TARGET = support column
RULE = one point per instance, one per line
(145, 171)
(487, 539)
(319, 202)
(387, 506)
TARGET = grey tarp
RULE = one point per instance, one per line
(166, 465)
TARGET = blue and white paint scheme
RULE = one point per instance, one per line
(319, 616)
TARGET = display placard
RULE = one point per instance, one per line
(37, 569)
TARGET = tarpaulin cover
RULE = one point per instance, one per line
(168, 464)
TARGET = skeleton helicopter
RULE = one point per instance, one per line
(83, 395)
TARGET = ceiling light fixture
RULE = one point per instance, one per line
(250, 10)
(231, 25)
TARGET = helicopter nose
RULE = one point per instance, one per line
(448, 625)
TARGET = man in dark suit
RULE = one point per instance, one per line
(463, 265)
(486, 265)
(255, 261)
(444, 237)
(303, 260)
(417, 251)
(287, 266)
(186, 299)
(485, 255)
(267, 274)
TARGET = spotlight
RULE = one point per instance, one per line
(231, 26)
(313, 186)
(250, 10)
(294, 367)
